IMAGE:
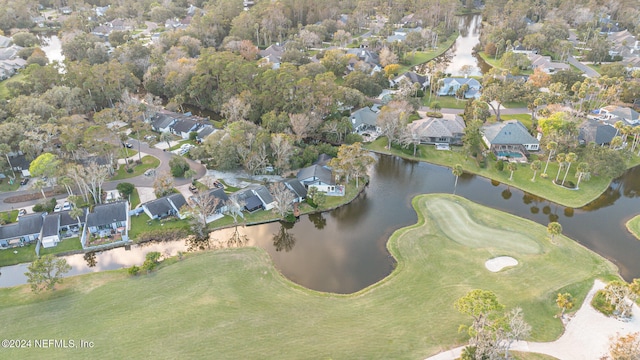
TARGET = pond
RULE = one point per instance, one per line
(344, 250)
(52, 47)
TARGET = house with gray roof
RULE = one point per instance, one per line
(5, 41)
(162, 121)
(265, 197)
(272, 55)
(412, 78)
(50, 233)
(364, 119)
(184, 127)
(614, 113)
(509, 136)
(250, 200)
(545, 63)
(317, 176)
(298, 190)
(107, 220)
(446, 130)
(204, 132)
(221, 206)
(597, 132)
(165, 206)
(25, 231)
(449, 86)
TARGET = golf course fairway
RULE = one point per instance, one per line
(233, 304)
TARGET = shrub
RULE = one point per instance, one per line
(178, 166)
(493, 156)
(134, 270)
(601, 304)
(500, 165)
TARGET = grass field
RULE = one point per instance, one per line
(234, 304)
(589, 190)
(148, 162)
(421, 57)
(633, 226)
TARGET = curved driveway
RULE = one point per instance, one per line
(141, 180)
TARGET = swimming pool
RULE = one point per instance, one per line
(509, 154)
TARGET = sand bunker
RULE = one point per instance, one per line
(499, 263)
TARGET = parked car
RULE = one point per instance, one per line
(24, 181)
(58, 208)
(128, 145)
(66, 206)
(193, 188)
(22, 212)
(149, 172)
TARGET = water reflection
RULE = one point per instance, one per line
(345, 250)
(283, 239)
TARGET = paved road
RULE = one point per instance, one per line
(505, 111)
(144, 181)
(584, 68)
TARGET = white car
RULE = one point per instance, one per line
(58, 208)
(66, 206)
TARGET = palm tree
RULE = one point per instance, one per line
(560, 160)
(571, 157)
(457, 171)
(618, 125)
(636, 136)
(512, 167)
(166, 136)
(583, 168)
(552, 146)
(77, 212)
(565, 302)
(554, 228)
(40, 185)
(535, 166)
(616, 142)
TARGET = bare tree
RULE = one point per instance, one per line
(392, 120)
(304, 125)
(283, 199)
(516, 329)
(237, 108)
(387, 57)
(621, 297)
(163, 185)
(282, 148)
(202, 206)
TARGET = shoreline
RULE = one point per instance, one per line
(576, 205)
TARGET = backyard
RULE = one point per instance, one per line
(543, 187)
(219, 297)
(148, 162)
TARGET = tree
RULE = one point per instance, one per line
(472, 138)
(163, 185)
(125, 189)
(582, 170)
(387, 57)
(619, 295)
(457, 171)
(77, 212)
(554, 228)
(392, 119)
(569, 158)
(236, 108)
(304, 125)
(283, 199)
(44, 273)
(515, 329)
(166, 137)
(44, 165)
(5, 150)
(39, 184)
(482, 306)
(535, 166)
(560, 159)
(512, 166)
(351, 160)
(282, 148)
(625, 347)
(551, 147)
(202, 206)
(564, 302)
(178, 166)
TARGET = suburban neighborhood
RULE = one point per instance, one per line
(461, 177)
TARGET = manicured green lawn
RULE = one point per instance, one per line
(421, 57)
(446, 102)
(633, 226)
(9, 217)
(70, 244)
(142, 223)
(235, 304)
(589, 190)
(135, 198)
(5, 186)
(148, 162)
(496, 63)
(525, 119)
(17, 255)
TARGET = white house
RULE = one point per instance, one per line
(49, 235)
(317, 176)
(616, 113)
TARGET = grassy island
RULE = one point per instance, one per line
(633, 226)
(235, 304)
